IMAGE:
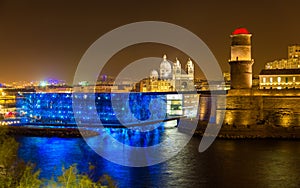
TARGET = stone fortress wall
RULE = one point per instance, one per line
(253, 114)
(263, 107)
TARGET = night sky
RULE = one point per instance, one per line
(46, 39)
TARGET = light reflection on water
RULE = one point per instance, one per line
(227, 163)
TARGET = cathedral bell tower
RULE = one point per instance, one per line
(189, 68)
(240, 60)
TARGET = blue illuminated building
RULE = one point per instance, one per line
(56, 108)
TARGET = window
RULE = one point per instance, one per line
(279, 79)
(294, 79)
(271, 80)
(264, 80)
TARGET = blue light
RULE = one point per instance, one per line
(57, 107)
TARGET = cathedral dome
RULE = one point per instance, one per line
(165, 69)
(240, 31)
(154, 74)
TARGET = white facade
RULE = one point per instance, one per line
(171, 77)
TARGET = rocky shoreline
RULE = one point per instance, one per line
(226, 132)
(50, 132)
(252, 132)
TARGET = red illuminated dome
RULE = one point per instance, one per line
(240, 31)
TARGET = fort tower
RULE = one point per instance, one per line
(240, 60)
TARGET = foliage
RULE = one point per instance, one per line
(15, 173)
(11, 168)
(107, 179)
(30, 178)
(72, 179)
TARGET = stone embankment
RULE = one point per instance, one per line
(253, 132)
(50, 132)
(252, 113)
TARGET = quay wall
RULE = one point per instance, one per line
(253, 114)
(244, 108)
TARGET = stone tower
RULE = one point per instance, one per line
(189, 68)
(177, 74)
(240, 61)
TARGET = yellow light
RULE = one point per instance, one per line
(279, 79)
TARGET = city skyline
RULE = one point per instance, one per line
(90, 98)
(47, 39)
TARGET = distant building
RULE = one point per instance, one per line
(7, 104)
(170, 78)
(284, 73)
(293, 61)
(226, 76)
(255, 81)
(105, 84)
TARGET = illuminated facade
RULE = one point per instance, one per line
(150, 85)
(240, 60)
(111, 108)
(8, 109)
(7, 104)
(279, 79)
(170, 78)
(56, 108)
(293, 61)
(284, 73)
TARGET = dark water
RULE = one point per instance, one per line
(227, 163)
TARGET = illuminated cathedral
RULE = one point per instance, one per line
(170, 77)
